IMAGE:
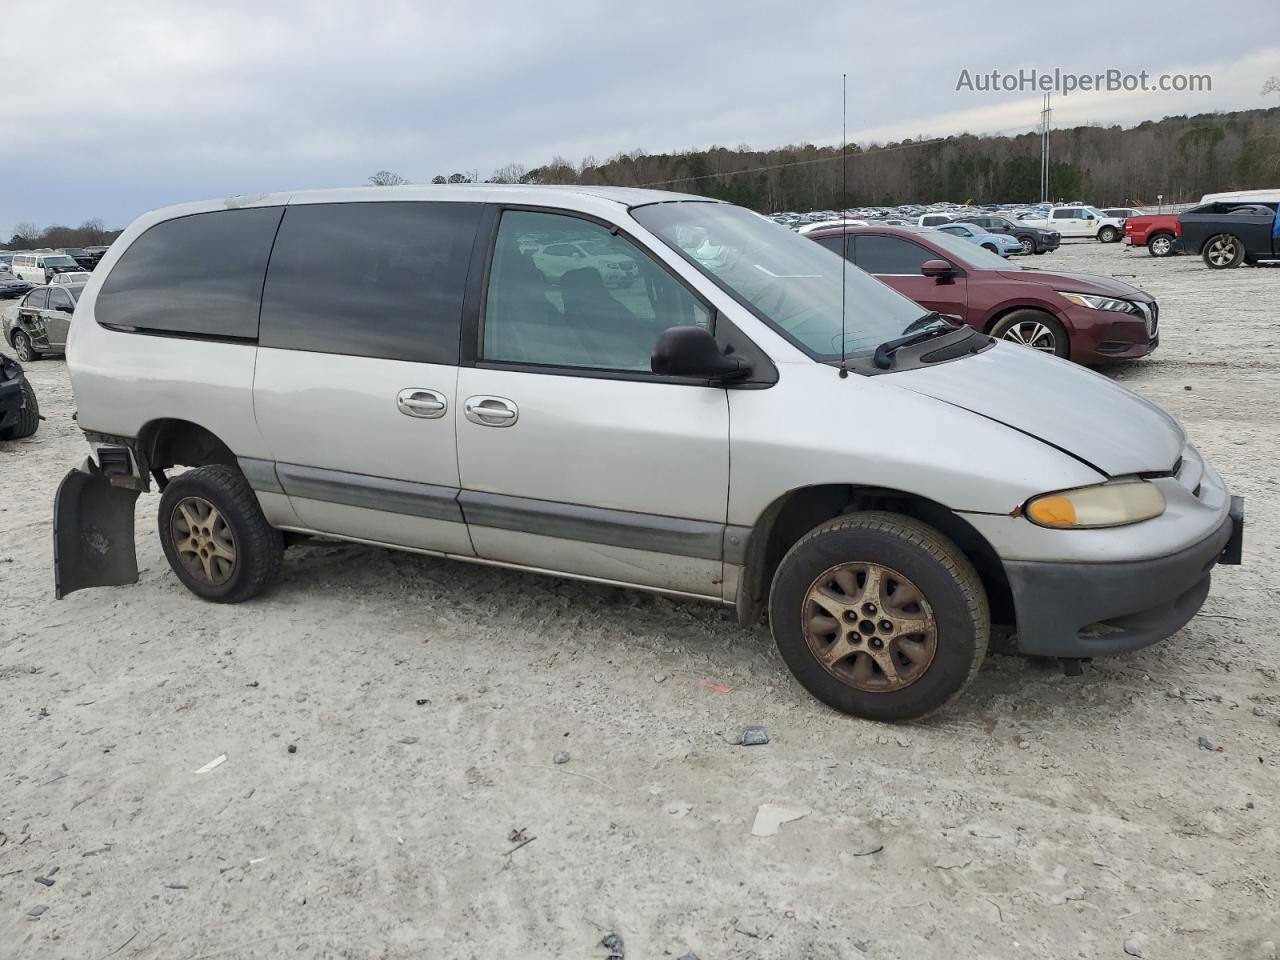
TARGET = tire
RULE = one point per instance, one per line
(1021, 327)
(948, 600)
(988, 246)
(23, 347)
(237, 528)
(1223, 252)
(1108, 234)
(1028, 244)
(28, 416)
(1160, 245)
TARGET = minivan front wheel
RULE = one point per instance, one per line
(880, 616)
(215, 537)
(1034, 329)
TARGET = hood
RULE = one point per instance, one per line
(1065, 405)
(1080, 283)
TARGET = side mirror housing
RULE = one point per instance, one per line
(693, 352)
(938, 269)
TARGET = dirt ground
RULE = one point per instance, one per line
(1041, 816)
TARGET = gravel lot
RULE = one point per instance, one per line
(1041, 816)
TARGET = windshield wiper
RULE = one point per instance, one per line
(925, 329)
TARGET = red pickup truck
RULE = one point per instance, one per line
(1160, 233)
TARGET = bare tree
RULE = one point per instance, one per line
(385, 178)
(1271, 86)
(26, 231)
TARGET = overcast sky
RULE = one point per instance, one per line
(111, 109)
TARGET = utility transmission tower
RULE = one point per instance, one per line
(1046, 115)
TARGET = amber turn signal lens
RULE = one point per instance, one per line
(1052, 512)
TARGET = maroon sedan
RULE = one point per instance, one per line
(1088, 318)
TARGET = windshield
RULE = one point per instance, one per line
(968, 252)
(61, 261)
(74, 252)
(787, 280)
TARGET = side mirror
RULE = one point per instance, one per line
(693, 352)
(938, 269)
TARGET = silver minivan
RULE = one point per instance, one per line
(751, 420)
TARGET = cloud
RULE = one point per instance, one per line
(151, 103)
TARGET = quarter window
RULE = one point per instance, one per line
(197, 275)
(370, 279)
(37, 299)
(58, 299)
(567, 292)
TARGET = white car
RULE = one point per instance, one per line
(756, 425)
(1079, 221)
(615, 267)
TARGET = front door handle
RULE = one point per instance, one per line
(417, 402)
(491, 411)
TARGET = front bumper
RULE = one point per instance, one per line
(1096, 609)
(1100, 336)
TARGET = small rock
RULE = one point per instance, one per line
(422, 701)
(951, 861)
(252, 683)
(678, 809)
(770, 816)
(903, 741)
(293, 748)
(44, 881)
(1266, 950)
(408, 740)
(752, 736)
(1206, 744)
(1060, 897)
(688, 956)
(1174, 693)
(613, 943)
(562, 756)
(1186, 387)
(37, 911)
(659, 677)
(1259, 712)
(1135, 945)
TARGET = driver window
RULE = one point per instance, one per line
(566, 292)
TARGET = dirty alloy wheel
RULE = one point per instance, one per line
(880, 616)
(1034, 329)
(1223, 252)
(215, 537)
(23, 348)
(1161, 245)
(1108, 234)
(1028, 245)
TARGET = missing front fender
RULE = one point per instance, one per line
(92, 532)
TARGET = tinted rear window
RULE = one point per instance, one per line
(370, 279)
(198, 275)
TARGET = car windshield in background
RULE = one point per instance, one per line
(969, 252)
(788, 280)
(61, 262)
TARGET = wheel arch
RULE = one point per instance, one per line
(1001, 312)
(1219, 233)
(170, 442)
(795, 513)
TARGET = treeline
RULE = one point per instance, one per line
(91, 233)
(1180, 157)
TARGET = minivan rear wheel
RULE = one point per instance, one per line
(215, 536)
(880, 616)
(1035, 329)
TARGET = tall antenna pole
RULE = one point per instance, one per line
(1046, 115)
(844, 207)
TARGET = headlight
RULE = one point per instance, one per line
(1094, 302)
(1106, 505)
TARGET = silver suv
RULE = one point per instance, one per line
(752, 421)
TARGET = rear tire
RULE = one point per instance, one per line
(1108, 234)
(1160, 245)
(1223, 252)
(28, 416)
(1035, 329)
(215, 536)
(23, 347)
(936, 634)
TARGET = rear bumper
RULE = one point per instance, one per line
(1096, 609)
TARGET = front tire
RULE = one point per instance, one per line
(1028, 244)
(1108, 234)
(879, 616)
(23, 347)
(1160, 245)
(215, 536)
(1223, 252)
(1035, 329)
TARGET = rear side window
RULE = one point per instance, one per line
(199, 275)
(890, 255)
(370, 279)
(37, 299)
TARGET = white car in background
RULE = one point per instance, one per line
(557, 259)
(827, 224)
(1080, 221)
